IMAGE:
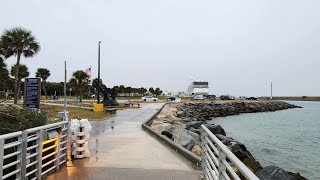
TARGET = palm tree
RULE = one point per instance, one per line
(4, 74)
(23, 72)
(128, 90)
(18, 42)
(82, 80)
(73, 84)
(43, 73)
(95, 83)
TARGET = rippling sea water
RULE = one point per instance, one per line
(289, 139)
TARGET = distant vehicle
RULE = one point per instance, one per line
(210, 96)
(93, 95)
(172, 98)
(251, 98)
(149, 98)
(6, 94)
(198, 97)
(242, 97)
(226, 97)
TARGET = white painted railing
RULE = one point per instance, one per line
(33, 153)
(217, 160)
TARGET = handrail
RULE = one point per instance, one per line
(11, 135)
(46, 126)
(222, 155)
(25, 155)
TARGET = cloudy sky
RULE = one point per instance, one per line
(238, 46)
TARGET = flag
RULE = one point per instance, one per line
(88, 71)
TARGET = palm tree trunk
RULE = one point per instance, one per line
(19, 89)
(44, 89)
(4, 86)
(16, 80)
(80, 90)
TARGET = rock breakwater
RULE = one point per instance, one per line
(206, 111)
(181, 123)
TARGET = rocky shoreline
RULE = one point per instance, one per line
(181, 123)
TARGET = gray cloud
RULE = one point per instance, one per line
(238, 46)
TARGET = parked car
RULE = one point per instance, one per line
(210, 96)
(149, 98)
(198, 97)
(252, 98)
(226, 97)
(172, 98)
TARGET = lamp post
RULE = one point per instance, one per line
(98, 95)
(271, 91)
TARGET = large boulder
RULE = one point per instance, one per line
(161, 127)
(184, 137)
(252, 164)
(296, 176)
(194, 124)
(224, 138)
(198, 131)
(238, 151)
(216, 129)
(273, 173)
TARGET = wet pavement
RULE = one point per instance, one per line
(120, 149)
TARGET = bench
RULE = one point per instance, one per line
(111, 110)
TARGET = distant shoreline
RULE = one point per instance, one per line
(294, 98)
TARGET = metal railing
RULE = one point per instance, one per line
(33, 153)
(218, 161)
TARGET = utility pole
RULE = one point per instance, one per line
(271, 91)
(98, 95)
(65, 91)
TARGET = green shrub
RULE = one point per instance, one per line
(14, 118)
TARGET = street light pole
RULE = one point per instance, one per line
(271, 91)
(98, 95)
(65, 87)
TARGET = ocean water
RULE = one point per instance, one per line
(289, 139)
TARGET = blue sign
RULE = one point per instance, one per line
(32, 93)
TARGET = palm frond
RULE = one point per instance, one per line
(19, 41)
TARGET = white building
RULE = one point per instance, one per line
(198, 88)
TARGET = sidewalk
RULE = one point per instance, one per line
(127, 152)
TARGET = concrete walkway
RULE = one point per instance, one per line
(127, 152)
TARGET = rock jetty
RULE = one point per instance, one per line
(181, 124)
(206, 111)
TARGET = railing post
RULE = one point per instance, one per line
(57, 162)
(222, 167)
(1, 157)
(23, 154)
(39, 149)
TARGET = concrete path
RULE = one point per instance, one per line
(128, 152)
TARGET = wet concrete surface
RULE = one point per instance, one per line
(120, 149)
(81, 173)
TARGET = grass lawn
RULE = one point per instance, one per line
(75, 113)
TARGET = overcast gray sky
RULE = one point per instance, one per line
(238, 46)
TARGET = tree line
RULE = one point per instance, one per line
(87, 89)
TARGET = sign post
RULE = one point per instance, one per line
(32, 89)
